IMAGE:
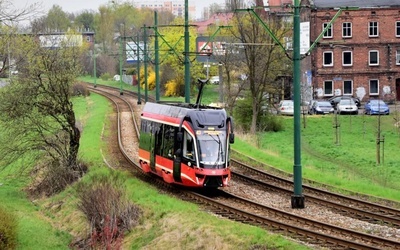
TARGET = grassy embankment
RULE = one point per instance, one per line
(349, 163)
(167, 223)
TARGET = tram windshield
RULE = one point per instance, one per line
(212, 148)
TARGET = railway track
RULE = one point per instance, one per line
(234, 207)
(346, 205)
(324, 235)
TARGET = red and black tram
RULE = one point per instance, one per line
(186, 144)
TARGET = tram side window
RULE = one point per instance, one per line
(168, 143)
(188, 147)
(145, 135)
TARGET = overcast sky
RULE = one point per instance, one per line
(81, 5)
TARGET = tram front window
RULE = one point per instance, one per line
(211, 151)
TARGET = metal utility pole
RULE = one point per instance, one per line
(187, 62)
(145, 62)
(138, 67)
(94, 62)
(297, 199)
(120, 66)
(221, 84)
(380, 141)
(156, 60)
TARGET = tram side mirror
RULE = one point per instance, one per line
(179, 136)
(231, 138)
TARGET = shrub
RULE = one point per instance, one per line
(8, 230)
(241, 113)
(80, 89)
(54, 176)
(172, 88)
(108, 210)
(270, 122)
(175, 87)
(105, 76)
(266, 121)
(131, 71)
(167, 74)
(151, 79)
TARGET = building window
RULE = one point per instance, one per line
(374, 87)
(346, 29)
(347, 58)
(373, 30)
(328, 33)
(88, 39)
(347, 87)
(328, 58)
(398, 56)
(328, 88)
(398, 29)
(373, 57)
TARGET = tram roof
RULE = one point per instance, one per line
(175, 109)
(211, 116)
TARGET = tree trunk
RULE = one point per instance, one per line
(253, 128)
(73, 148)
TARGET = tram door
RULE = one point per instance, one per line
(176, 172)
(155, 145)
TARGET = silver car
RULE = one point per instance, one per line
(286, 107)
(347, 106)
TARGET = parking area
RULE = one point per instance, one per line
(304, 109)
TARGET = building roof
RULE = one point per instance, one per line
(356, 3)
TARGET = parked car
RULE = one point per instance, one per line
(336, 99)
(286, 107)
(214, 80)
(321, 107)
(376, 107)
(347, 105)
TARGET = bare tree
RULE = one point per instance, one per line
(9, 18)
(9, 14)
(232, 5)
(36, 109)
(264, 59)
(234, 81)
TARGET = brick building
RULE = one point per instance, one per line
(359, 54)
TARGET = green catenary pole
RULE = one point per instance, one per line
(157, 66)
(187, 65)
(94, 62)
(297, 199)
(138, 67)
(145, 62)
(120, 66)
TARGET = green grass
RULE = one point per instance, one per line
(34, 232)
(349, 163)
